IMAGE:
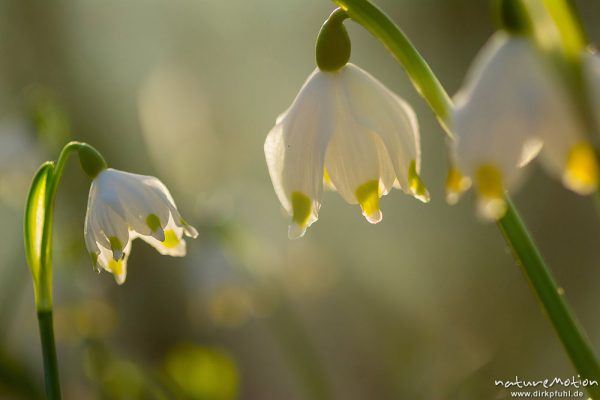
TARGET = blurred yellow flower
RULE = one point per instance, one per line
(203, 372)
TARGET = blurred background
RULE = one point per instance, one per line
(428, 304)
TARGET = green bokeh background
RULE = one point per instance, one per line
(428, 304)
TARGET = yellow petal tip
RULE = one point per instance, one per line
(374, 218)
(118, 270)
(581, 172)
(417, 187)
(368, 195)
(456, 185)
(171, 240)
(491, 205)
(422, 196)
(301, 215)
(296, 231)
(491, 209)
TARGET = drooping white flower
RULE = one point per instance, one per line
(123, 206)
(511, 105)
(347, 129)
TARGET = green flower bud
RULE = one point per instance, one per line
(91, 160)
(333, 43)
(513, 18)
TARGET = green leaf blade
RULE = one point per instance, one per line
(35, 212)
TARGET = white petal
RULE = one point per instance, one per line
(381, 111)
(107, 225)
(188, 229)
(531, 149)
(116, 267)
(387, 173)
(173, 245)
(91, 242)
(352, 158)
(501, 107)
(393, 127)
(295, 147)
(559, 142)
(357, 161)
(134, 197)
(561, 129)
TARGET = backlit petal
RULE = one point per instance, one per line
(295, 148)
(381, 111)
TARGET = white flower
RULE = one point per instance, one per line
(124, 206)
(348, 129)
(510, 107)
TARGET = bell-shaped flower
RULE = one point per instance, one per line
(124, 206)
(511, 108)
(348, 130)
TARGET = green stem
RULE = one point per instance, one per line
(49, 355)
(551, 297)
(44, 299)
(391, 36)
(45, 303)
(526, 254)
(572, 36)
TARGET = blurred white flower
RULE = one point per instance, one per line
(511, 107)
(348, 130)
(124, 206)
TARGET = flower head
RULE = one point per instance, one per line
(511, 109)
(347, 130)
(124, 206)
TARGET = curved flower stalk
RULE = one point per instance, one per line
(511, 106)
(123, 206)
(344, 130)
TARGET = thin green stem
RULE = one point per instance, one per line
(515, 233)
(391, 36)
(49, 355)
(551, 297)
(572, 36)
(44, 300)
